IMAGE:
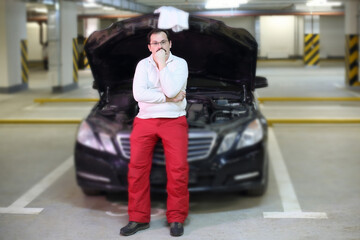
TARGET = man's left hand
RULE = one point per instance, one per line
(178, 98)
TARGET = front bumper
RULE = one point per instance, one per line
(234, 172)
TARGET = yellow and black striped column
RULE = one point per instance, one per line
(312, 49)
(86, 61)
(351, 60)
(24, 62)
(75, 60)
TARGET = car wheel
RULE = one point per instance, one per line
(91, 192)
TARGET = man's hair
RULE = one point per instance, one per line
(155, 31)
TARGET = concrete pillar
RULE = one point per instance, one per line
(13, 46)
(90, 25)
(352, 43)
(62, 30)
(312, 40)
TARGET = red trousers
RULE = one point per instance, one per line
(174, 135)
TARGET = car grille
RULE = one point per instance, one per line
(199, 147)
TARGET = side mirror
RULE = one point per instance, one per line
(260, 82)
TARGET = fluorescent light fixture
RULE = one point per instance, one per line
(322, 3)
(109, 9)
(41, 10)
(215, 4)
(90, 5)
(48, 2)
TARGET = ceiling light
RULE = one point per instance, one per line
(214, 4)
(48, 2)
(41, 10)
(90, 5)
(109, 9)
(322, 3)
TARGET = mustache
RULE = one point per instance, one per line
(161, 49)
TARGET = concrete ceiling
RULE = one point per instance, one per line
(253, 7)
(199, 5)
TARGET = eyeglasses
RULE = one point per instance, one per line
(162, 43)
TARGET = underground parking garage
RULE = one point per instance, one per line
(282, 108)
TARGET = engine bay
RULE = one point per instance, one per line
(201, 109)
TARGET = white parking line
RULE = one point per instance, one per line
(18, 207)
(287, 193)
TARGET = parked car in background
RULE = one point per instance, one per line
(227, 132)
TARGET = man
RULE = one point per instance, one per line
(159, 88)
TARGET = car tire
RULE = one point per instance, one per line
(91, 192)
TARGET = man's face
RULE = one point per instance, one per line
(158, 41)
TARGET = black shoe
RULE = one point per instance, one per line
(176, 229)
(133, 227)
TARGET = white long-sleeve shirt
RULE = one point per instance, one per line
(151, 87)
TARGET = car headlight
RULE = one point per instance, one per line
(252, 134)
(87, 137)
(107, 143)
(227, 142)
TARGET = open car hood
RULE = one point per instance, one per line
(210, 48)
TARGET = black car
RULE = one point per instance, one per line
(227, 132)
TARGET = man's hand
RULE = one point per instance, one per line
(160, 58)
(178, 98)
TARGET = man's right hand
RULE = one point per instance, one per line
(160, 58)
(178, 98)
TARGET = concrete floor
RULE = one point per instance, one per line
(313, 191)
